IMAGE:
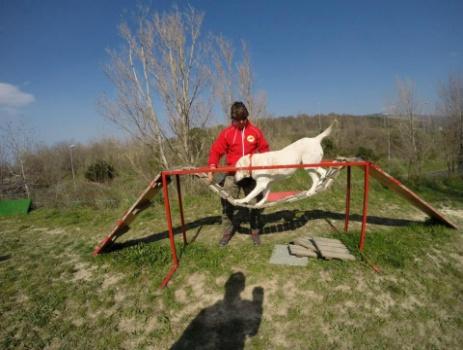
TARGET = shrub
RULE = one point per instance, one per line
(366, 154)
(329, 148)
(100, 171)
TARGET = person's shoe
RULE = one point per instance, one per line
(255, 237)
(227, 235)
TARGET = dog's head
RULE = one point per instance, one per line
(241, 163)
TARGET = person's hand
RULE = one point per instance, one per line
(210, 177)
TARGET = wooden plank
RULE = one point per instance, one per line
(306, 243)
(332, 245)
(142, 203)
(329, 251)
(329, 256)
(299, 251)
(319, 244)
(326, 240)
(409, 195)
(323, 250)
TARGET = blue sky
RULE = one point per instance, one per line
(332, 56)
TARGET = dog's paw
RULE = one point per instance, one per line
(310, 192)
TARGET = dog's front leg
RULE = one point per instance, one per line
(261, 185)
(263, 200)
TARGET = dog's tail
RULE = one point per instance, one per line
(327, 131)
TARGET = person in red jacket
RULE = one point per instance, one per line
(237, 140)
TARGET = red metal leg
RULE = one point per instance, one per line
(346, 220)
(365, 206)
(165, 193)
(182, 219)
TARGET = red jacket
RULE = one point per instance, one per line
(235, 143)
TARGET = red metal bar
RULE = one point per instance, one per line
(180, 204)
(346, 220)
(366, 170)
(289, 166)
(165, 193)
(169, 275)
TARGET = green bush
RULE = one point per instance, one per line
(366, 154)
(329, 147)
(100, 171)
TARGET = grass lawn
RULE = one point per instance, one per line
(55, 295)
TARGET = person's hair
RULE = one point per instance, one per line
(238, 111)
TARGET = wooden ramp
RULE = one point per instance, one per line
(122, 225)
(409, 195)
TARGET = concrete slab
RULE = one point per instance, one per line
(281, 256)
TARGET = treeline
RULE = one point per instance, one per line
(111, 171)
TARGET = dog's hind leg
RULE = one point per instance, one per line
(321, 172)
(315, 176)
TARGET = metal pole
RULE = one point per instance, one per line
(348, 189)
(365, 206)
(165, 193)
(180, 204)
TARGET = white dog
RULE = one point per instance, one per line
(304, 151)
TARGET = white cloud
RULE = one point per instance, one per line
(12, 97)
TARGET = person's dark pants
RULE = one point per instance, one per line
(229, 211)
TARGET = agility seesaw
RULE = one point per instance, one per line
(162, 180)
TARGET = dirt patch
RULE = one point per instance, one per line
(411, 303)
(151, 324)
(457, 257)
(129, 325)
(181, 296)
(196, 281)
(54, 344)
(325, 277)
(111, 280)
(56, 232)
(120, 296)
(22, 298)
(78, 322)
(342, 288)
(84, 272)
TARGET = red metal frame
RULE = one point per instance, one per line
(166, 174)
(348, 189)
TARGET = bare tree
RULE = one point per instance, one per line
(163, 60)
(18, 142)
(406, 108)
(223, 84)
(387, 113)
(451, 98)
(232, 83)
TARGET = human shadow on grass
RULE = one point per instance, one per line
(227, 323)
(276, 222)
